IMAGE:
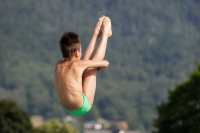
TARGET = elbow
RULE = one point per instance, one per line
(107, 63)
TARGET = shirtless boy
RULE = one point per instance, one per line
(75, 79)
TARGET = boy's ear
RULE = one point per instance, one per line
(77, 53)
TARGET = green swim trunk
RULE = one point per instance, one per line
(85, 107)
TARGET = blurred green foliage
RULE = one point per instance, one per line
(55, 126)
(13, 119)
(154, 45)
(181, 113)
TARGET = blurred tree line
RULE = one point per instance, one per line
(181, 113)
(15, 120)
(154, 45)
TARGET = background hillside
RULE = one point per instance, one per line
(155, 44)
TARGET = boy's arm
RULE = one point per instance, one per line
(93, 63)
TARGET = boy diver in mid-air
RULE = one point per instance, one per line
(75, 79)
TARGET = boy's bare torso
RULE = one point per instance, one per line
(68, 81)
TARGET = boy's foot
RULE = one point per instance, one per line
(107, 26)
(97, 29)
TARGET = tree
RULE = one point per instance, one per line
(55, 126)
(181, 114)
(13, 119)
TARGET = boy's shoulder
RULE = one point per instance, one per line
(75, 63)
(78, 62)
(59, 62)
(81, 63)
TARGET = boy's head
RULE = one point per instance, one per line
(69, 44)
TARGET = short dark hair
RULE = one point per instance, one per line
(69, 44)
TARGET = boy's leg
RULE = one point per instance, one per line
(89, 76)
(91, 46)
